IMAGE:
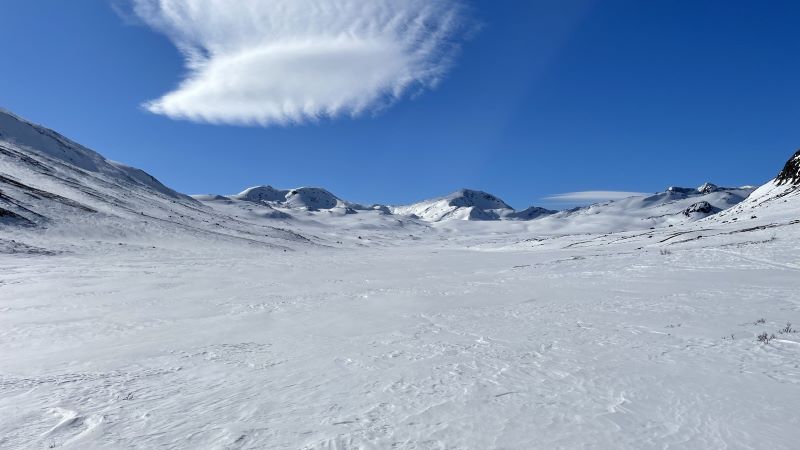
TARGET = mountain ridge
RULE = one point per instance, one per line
(86, 182)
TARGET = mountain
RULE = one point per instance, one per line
(467, 204)
(674, 206)
(464, 204)
(532, 213)
(49, 182)
(306, 198)
(19, 135)
(776, 202)
(262, 194)
(280, 203)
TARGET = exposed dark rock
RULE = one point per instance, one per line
(701, 208)
(40, 194)
(7, 216)
(468, 197)
(791, 172)
(708, 188)
(534, 212)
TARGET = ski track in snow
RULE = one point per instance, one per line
(428, 346)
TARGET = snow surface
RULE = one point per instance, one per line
(131, 318)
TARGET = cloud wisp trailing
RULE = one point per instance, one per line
(593, 196)
(278, 62)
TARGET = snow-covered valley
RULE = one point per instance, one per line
(132, 316)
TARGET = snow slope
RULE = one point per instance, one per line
(425, 345)
(20, 134)
(777, 201)
(673, 207)
(54, 187)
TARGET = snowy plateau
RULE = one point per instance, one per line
(134, 316)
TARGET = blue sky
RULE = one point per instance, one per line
(540, 98)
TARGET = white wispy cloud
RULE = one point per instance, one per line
(593, 196)
(266, 62)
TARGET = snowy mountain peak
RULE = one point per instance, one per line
(306, 198)
(681, 190)
(466, 198)
(312, 199)
(704, 189)
(791, 171)
(708, 188)
(464, 204)
(262, 194)
(468, 204)
(700, 209)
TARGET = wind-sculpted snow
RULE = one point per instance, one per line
(637, 340)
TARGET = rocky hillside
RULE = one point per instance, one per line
(791, 171)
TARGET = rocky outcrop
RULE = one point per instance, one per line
(791, 172)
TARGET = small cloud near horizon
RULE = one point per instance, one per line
(592, 196)
(280, 62)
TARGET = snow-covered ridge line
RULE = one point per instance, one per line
(674, 205)
(32, 147)
(50, 185)
(29, 136)
(464, 204)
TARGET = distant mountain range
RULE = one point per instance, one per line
(673, 206)
(47, 180)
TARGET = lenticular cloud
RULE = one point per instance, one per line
(272, 62)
